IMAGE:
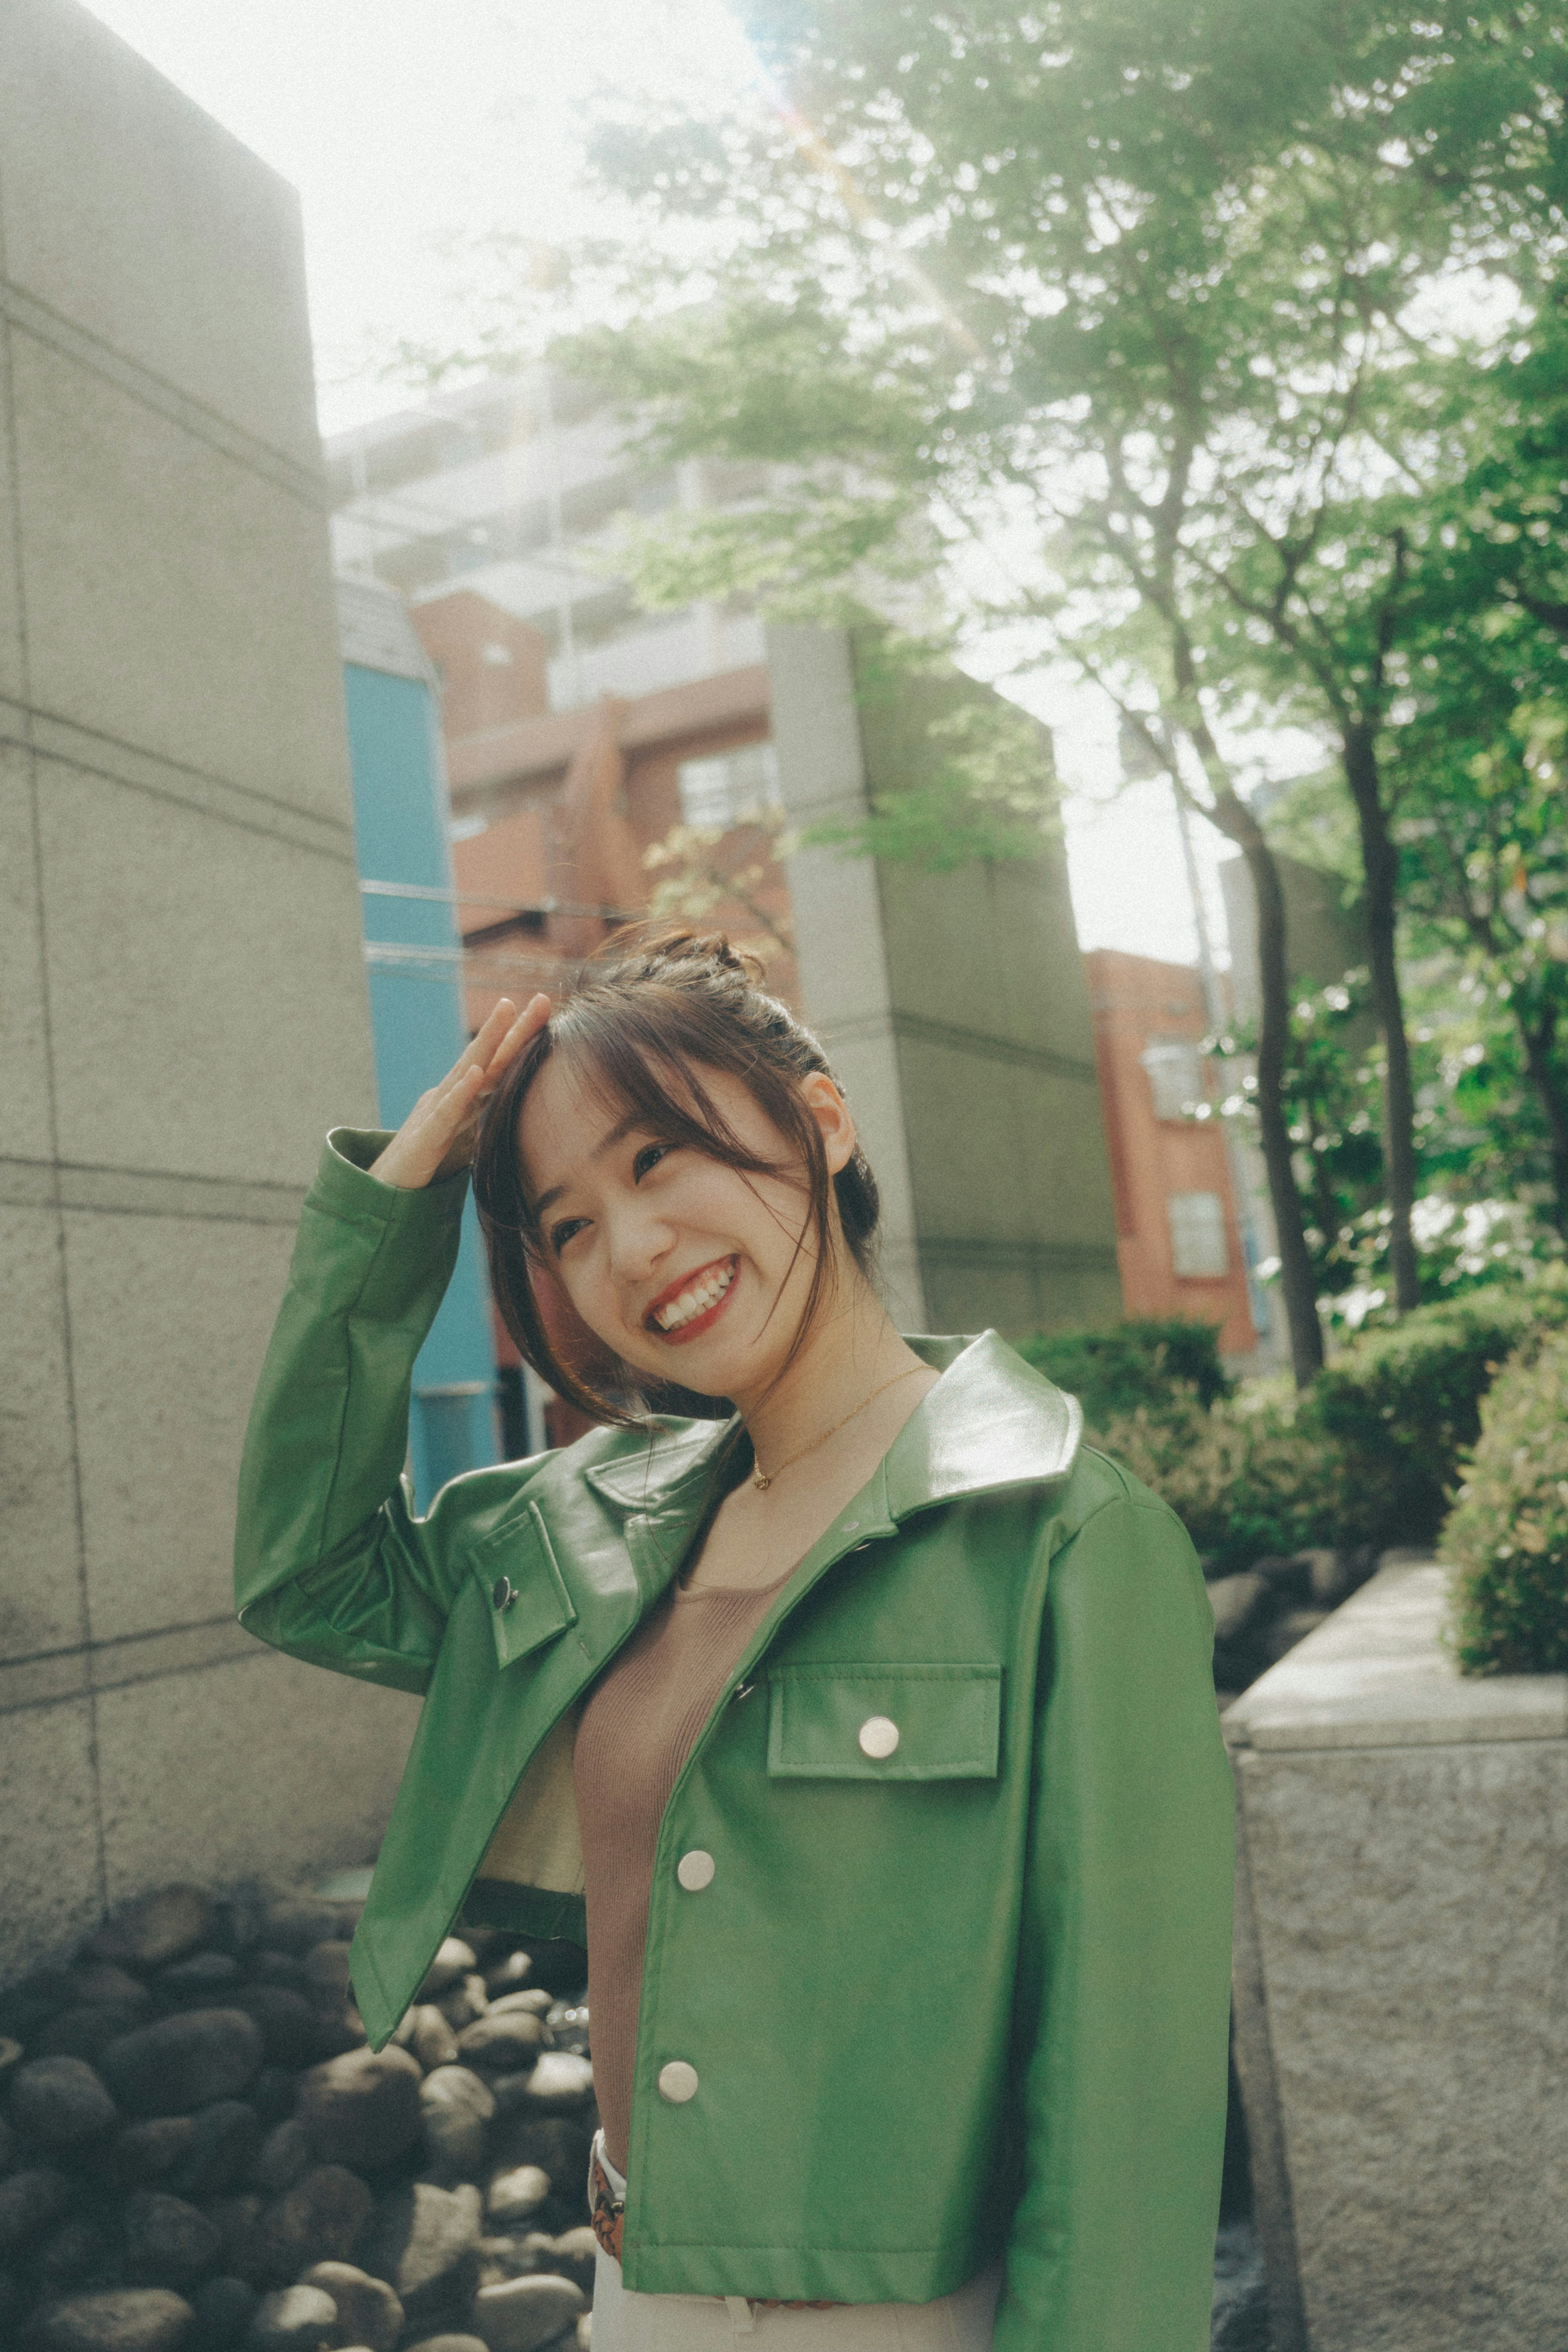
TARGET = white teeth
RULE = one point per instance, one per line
(697, 1300)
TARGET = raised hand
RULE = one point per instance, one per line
(438, 1137)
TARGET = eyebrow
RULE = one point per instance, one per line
(617, 1134)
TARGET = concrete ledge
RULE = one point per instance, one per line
(1375, 1676)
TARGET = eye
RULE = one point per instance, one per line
(561, 1234)
(648, 1157)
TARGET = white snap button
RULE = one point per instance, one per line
(694, 1870)
(677, 2082)
(879, 1736)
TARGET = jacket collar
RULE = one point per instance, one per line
(990, 1423)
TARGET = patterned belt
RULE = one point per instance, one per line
(608, 2217)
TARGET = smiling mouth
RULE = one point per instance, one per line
(696, 1302)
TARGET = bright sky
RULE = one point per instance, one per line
(408, 128)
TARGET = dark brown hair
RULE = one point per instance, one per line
(656, 1008)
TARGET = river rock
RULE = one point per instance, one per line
(294, 1925)
(150, 1930)
(316, 2220)
(452, 1963)
(167, 2242)
(1235, 1600)
(273, 2095)
(125, 2319)
(204, 1982)
(532, 2002)
(59, 2104)
(8, 2149)
(421, 2240)
(183, 2062)
(293, 2319)
(284, 2157)
(361, 2108)
(456, 2106)
(87, 2031)
(327, 1965)
(10, 2056)
(369, 2312)
(447, 2344)
(522, 2313)
(559, 2145)
(431, 2039)
(292, 2026)
(502, 2044)
(561, 2080)
(96, 1984)
(149, 2152)
(223, 2149)
(508, 1975)
(30, 2202)
(574, 2253)
(224, 2308)
(516, 2194)
(84, 2253)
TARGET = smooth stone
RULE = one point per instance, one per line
(270, 1966)
(30, 2202)
(369, 2312)
(290, 2025)
(123, 2320)
(97, 1983)
(227, 2137)
(506, 1975)
(567, 2026)
(1235, 1600)
(273, 2095)
(464, 2002)
(87, 2031)
(420, 2234)
(559, 2145)
(317, 2221)
(224, 2308)
(523, 2313)
(237, 2220)
(447, 2344)
(82, 2255)
(431, 2039)
(284, 2157)
(8, 2157)
(583, 2335)
(327, 1965)
(183, 2062)
(293, 2319)
(151, 2151)
(12, 2053)
(150, 1930)
(205, 1982)
(167, 2242)
(518, 2194)
(60, 2104)
(502, 2044)
(453, 1961)
(456, 2106)
(294, 1926)
(574, 2253)
(361, 2108)
(561, 2079)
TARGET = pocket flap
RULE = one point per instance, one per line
(884, 1722)
(524, 1591)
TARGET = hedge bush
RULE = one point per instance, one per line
(1402, 1406)
(1508, 1535)
(1125, 1365)
(1244, 1478)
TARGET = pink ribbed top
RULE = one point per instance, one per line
(637, 1730)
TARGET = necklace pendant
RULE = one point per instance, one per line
(761, 1481)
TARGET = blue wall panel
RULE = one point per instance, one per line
(416, 1012)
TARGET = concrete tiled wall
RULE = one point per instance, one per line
(182, 1007)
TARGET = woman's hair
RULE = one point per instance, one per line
(656, 1008)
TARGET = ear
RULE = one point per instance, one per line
(831, 1113)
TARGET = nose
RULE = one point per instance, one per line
(637, 1241)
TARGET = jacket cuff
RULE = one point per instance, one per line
(344, 1187)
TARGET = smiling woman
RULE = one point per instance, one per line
(866, 1735)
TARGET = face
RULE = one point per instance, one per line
(688, 1270)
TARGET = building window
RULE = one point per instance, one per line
(736, 788)
(1198, 1250)
(1176, 1076)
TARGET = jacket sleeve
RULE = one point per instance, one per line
(1125, 1961)
(331, 1564)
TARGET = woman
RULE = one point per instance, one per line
(866, 1735)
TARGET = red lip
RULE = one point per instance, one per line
(699, 1323)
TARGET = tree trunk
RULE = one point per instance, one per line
(1380, 864)
(1538, 1038)
(1296, 1283)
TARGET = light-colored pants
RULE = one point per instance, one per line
(624, 2322)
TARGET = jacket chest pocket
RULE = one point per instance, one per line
(884, 1722)
(523, 1590)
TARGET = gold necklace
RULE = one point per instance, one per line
(762, 1479)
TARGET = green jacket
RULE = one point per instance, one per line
(965, 1998)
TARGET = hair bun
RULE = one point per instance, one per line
(651, 949)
